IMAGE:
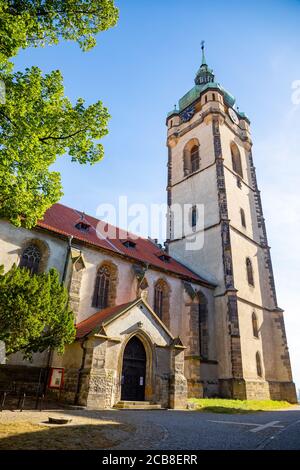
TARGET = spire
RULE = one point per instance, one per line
(203, 54)
(204, 74)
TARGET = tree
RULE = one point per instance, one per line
(26, 23)
(38, 124)
(34, 312)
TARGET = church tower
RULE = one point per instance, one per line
(211, 169)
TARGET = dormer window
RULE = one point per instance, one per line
(83, 226)
(129, 244)
(164, 258)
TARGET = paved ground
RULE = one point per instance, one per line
(185, 430)
(191, 430)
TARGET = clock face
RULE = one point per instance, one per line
(188, 113)
(233, 116)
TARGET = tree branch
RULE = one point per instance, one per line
(8, 118)
(62, 137)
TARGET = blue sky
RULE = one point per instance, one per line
(140, 68)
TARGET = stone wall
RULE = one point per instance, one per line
(283, 391)
(257, 390)
(178, 382)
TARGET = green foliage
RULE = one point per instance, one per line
(34, 312)
(222, 405)
(26, 23)
(38, 124)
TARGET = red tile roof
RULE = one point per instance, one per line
(62, 220)
(94, 321)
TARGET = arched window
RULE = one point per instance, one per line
(249, 272)
(258, 364)
(236, 160)
(191, 157)
(203, 326)
(102, 287)
(31, 258)
(243, 218)
(254, 325)
(161, 301)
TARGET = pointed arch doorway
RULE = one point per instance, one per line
(133, 371)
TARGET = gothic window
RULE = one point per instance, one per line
(161, 301)
(105, 286)
(203, 326)
(31, 258)
(195, 158)
(258, 365)
(236, 160)
(191, 157)
(243, 218)
(249, 272)
(158, 301)
(254, 325)
(213, 96)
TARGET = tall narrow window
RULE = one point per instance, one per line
(31, 258)
(195, 158)
(102, 284)
(254, 325)
(162, 301)
(158, 300)
(236, 159)
(258, 365)
(194, 217)
(249, 272)
(243, 218)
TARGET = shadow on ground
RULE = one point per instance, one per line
(30, 436)
(226, 410)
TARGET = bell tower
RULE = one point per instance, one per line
(211, 169)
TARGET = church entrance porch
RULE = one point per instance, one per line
(133, 371)
(124, 356)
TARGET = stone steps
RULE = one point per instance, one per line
(137, 405)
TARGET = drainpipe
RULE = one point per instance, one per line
(80, 373)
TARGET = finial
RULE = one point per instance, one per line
(203, 55)
(175, 106)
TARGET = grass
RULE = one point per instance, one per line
(222, 405)
(31, 436)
